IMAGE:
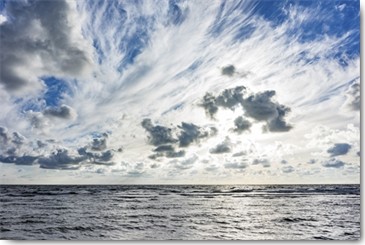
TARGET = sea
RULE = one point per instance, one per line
(180, 212)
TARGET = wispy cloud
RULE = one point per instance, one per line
(113, 87)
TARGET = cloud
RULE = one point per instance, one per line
(241, 124)
(158, 135)
(61, 159)
(265, 162)
(192, 133)
(333, 163)
(19, 160)
(339, 149)
(287, 169)
(98, 157)
(312, 161)
(353, 96)
(224, 147)
(186, 163)
(163, 148)
(260, 107)
(209, 104)
(62, 112)
(98, 144)
(166, 151)
(4, 136)
(175, 154)
(229, 98)
(40, 38)
(236, 165)
(228, 70)
(283, 161)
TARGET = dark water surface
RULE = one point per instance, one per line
(102, 212)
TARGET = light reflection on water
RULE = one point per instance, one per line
(180, 212)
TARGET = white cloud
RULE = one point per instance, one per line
(180, 59)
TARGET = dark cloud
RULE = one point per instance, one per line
(175, 154)
(4, 137)
(98, 144)
(312, 161)
(241, 125)
(284, 162)
(278, 123)
(209, 104)
(265, 163)
(354, 97)
(228, 70)
(236, 165)
(287, 169)
(18, 139)
(261, 108)
(163, 148)
(230, 98)
(166, 151)
(192, 133)
(189, 133)
(221, 148)
(61, 159)
(238, 154)
(258, 106)
(158, 135)
(339, 149)
(97, 157)
(19, 160)
(333, 163)
(358, 153)
(62, 112)
(37, 29)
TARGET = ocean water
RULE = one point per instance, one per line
(102, 212)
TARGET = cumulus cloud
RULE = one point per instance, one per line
(166, 151)
(4, 136)
(312, 161)
(19, 160)
(97, 157)
(98, 144)
(61, 159)
(236, 165)
(287, 169)
(191, 132)
(163, 148)
(241, 124)
(353, 96)
(339, 149)
(265, 162)
(158, 135)
(228, 70)
(333, 163)
(261, 108)
(40, 39)
(209, 104)
(229, 98)
(62, 112)
(224, 147)
(258, 106)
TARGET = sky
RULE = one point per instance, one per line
(179, 92)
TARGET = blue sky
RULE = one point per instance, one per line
(173, 92)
